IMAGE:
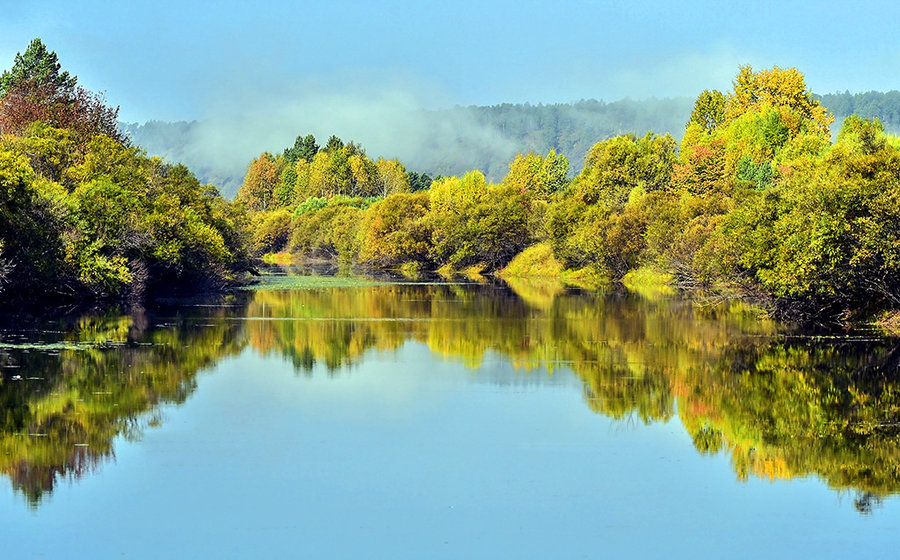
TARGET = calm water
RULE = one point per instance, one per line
(445, 421)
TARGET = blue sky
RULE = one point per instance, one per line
(183, 59)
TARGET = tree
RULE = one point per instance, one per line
(364, 176)
(39, 66)
(778, 88)
(334, 143)
(709, 110)
(337, 176)
(394, 230)
(35, 90)
(302, 189)
(29, 232)
(473, 222)
(538, 175)
(614, 167)
(828, 234)
(272, 231)
(418, 181)
(304, 148)
(702, 169)
(287, 185)
(258, 190)
(392, 177)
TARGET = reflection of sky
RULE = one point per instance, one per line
(403, 456)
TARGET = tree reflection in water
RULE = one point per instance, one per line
(779, 404)
(69, 387)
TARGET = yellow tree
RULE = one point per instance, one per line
(394, 231)
(709, 110)
(538, 175)
(302, 189)
(257, 191)
(777, 88)
(364, 176)
(392, 177)
(318, 175)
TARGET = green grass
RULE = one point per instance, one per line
(536, 261)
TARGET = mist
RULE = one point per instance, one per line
(390, 123)
(397, 122)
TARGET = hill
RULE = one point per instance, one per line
(439, 142)
(452, 141)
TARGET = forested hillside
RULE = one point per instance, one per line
(493, 135)
(884, 106)
(449, 142)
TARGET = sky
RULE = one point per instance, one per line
(185, 59)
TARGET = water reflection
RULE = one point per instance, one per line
(68, 388)
(779, 404)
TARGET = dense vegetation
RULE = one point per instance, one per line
(756, 197)
(85, 215)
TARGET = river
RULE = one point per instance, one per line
(444, 420)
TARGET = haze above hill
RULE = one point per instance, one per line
(439, 142)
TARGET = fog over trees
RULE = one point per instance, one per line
(456, 140)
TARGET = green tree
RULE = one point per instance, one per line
(304, 147)
(30, 234)
(285, 192)
(540, 176)
(418, 181)
(472, 222)
(614, 167)
(394, 230)
(827, 235)
(38, 66)
(334, 143)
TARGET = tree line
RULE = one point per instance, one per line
(503, 130)
(755, 197)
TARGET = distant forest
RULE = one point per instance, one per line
(494, 134)
(885, 106)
